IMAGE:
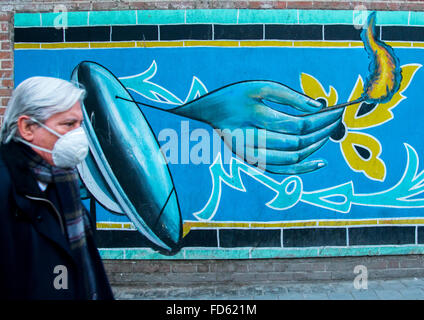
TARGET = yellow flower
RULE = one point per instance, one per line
(314, 89)
(361, 150)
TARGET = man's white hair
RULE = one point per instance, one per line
(39, 98)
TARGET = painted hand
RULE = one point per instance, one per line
(272, 140)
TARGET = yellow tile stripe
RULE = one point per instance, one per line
(326, 44)
(266, 43)
(187, 226)
(153, 44)
(129, 44)
(337, 223)
(27, 45)
(207, 43)
(401, 221)
(217, 43)
(356, 44)
(399, 44)
(282, 224)
(67, 45)
(328, 223)
(114, 225)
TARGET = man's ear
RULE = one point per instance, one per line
(26, 128)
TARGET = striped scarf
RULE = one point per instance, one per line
(76, 220)
(77, 224)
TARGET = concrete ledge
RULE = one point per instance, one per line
(393, 289)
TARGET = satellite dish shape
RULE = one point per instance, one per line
(125, 170)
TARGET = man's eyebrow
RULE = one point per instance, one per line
(73, 119)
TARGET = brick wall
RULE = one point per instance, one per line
(6, 59)
(153, 273)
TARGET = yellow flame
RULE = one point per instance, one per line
(382, 112)
(385, 77)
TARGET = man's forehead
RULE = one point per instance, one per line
(74, 113)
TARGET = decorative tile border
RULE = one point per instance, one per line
(314, 28)
(275, 238)
(212, 25)
(211, 32)
(238, 240)
(219, 16)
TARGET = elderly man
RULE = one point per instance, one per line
(46, 242)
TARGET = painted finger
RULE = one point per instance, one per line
(279, 93)
(273, 120)
(277, 157)
(298, 168)
(266, 139)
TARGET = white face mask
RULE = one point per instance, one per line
(69, 150)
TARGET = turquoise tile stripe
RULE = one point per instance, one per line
(289, 16)
(261, 253)
(161, 16)
(325, 16)
(112, 254)
(224, 16)
(217, 253)
(392, 18)
(27, 20)
(221, 16)
(103, 18)
(138, 254)
(71, 19)
(416, 18)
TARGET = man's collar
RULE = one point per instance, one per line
(17, 156)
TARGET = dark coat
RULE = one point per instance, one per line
(32, 243)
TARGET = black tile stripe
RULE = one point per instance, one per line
(381, 236)
(38, 35)
(213, 32)
(201, 238)
(420, 235)
(229, 238)
(301, 237)
(314, 237)
(345, 32)
(238, 32)
(134, 239)
(120, 239)
(76, 34)
(293, 32)
(400, 33)
(128, 33)
(186, 32)
(341, 32)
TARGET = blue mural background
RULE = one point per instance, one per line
(217, 67)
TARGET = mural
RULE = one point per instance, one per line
(206, 148)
